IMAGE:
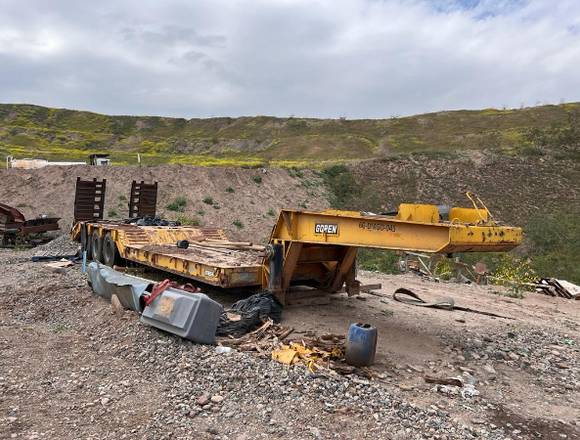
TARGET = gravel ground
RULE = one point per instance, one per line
(70, 368)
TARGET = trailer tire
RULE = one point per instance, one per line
(110, 252)
(96, 246)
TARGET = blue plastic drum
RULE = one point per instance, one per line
(361, 345)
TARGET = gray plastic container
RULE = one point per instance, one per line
(192, 316)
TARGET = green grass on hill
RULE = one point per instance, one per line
(58, 134)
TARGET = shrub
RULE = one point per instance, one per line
(551, 249)
(444, 269)
(346, 193)
(257, 179)
(271, 212)
(112, 213)
(296, 124)
(342, 186)
(188, 221)
(378, 260)
(230, 190)
(58, 327)
(295, 172)
(531, 151)
(208, 201)
(238, 224)
(514, 273)
(554, 245)
(178, 204)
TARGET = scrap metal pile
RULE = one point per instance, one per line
(322, 355)
(15, 229)
(439, 267)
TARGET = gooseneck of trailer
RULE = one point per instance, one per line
(320, 248)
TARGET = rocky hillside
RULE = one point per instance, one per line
(57, 134)
(513, 188)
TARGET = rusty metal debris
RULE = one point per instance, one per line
(555, 287)
(438, 267)
(14, 227)
(323, 355)
(453, 385)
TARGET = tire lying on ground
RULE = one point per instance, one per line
(109, 251)
(96, 247)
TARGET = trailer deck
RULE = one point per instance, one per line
(210, 257)
(219, 267)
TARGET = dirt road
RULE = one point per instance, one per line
(71, 369)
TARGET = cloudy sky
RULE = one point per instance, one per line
(320, 58)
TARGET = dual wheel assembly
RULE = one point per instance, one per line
(100, 248)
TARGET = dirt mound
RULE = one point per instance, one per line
(245, 202)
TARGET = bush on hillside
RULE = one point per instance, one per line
(342, 186)
(178, 204)
(378, 260)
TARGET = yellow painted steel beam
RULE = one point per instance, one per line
(348, 228)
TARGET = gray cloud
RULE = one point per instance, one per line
(353, 58)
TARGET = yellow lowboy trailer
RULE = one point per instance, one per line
(316, 249)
